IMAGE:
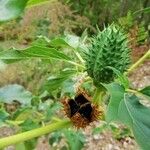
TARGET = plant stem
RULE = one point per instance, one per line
(76, 64)
(33, 133)
(136, 93)
(139, 62)
(79, 56)
(98, 96)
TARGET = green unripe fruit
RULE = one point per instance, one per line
(108, 48)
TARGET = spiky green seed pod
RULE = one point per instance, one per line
(108, 48)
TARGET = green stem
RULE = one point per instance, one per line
(76, 64)
(98, 96)
(139, 62)
(79, 56)
(33, 133)
(136, 93)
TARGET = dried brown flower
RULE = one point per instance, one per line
(81, 111)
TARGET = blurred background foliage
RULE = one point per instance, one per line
(75, 16)
(58, 18)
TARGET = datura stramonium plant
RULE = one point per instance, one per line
(108, 48)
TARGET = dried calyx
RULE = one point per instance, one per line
(81, 111)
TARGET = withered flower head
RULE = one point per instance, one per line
(81, 111)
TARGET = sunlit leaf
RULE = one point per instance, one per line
(10, 9)
(37, 2)
(32, 52)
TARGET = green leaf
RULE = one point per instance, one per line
(116, 95)
(37, 2)
(55, 83)
(68, 87)
(15, 92)
(121, 77)
(3, 115)
(20, 146)
(127, 109)
(100, 129)
(59, 42)
(29, 124)
(27, 113)
(33, 52)
(132, 113)
(75, 140)
(72, 41)
(10, 9)
(146, 91)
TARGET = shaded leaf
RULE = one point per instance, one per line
(10, 9)
(55, 137)
(117, 94)
(146, 91)
(29, 124)
(15, 92)
(132, 113)
(3, 115)
(55, 83)
(128, 110)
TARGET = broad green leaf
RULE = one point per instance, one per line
(116, 95)
(127, 109)
(146, 91)
(132, 113)
(10, 9)
(121, 77)
(55, 83)
(72, 41)
(75, 140)
(32, 52)
(59, 42)
(15, 92)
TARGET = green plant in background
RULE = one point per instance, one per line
(105, 59)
